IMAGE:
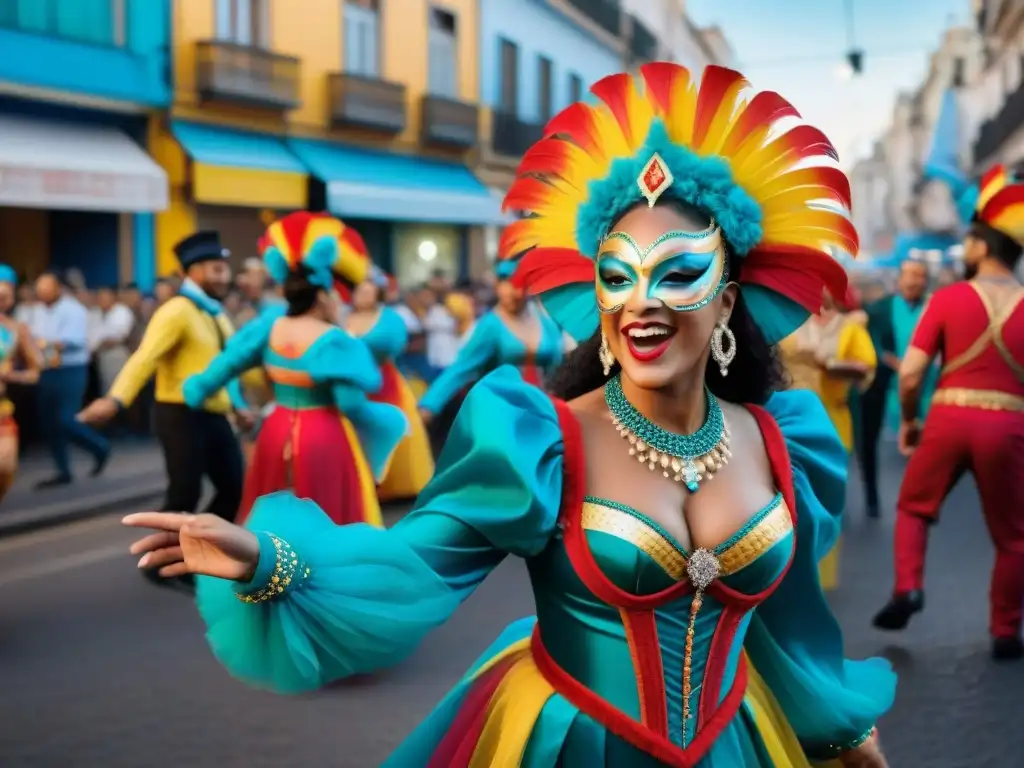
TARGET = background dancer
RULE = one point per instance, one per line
(20, 363)
(829, 355)
(898, 311)
(183, 336)
(324, 439)
(382, 329)
(977, 419)
(513, 333)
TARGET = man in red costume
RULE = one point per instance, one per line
(977, 419)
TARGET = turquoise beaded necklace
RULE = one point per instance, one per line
(688, 459)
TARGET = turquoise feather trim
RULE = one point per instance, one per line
(703, 182)
(573, 307)
(504, 270)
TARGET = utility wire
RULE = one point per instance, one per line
(825, 58)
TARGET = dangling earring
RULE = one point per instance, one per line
(719, 352)
(604, 354)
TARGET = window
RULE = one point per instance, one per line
(509, 96)
(245, 22)
(99, 22)
(362, 38)
(443, 55)
(544, 89)
(575, 88)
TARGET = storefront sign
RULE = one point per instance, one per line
(81, 190)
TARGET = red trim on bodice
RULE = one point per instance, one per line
(713, 717)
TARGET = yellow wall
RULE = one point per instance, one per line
(179, 220)
(315, 36)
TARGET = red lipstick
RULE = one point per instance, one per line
(647, 349)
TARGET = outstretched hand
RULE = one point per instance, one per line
(203, 544)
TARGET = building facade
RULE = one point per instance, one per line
(79, 82)
(663, 29)
(928, 124)
(370, 112)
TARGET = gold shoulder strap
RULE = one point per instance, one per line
(993, 334)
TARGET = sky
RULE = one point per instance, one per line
(799, 52)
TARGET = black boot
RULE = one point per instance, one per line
(897, 612)
(1007, 648)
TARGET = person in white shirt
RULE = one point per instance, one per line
(112, 326)
(442, 330)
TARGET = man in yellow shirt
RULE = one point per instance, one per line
(183, 337)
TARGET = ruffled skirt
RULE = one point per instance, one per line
(315, 453)
(412, 464)
(505, 712)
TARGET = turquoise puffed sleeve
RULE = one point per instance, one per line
(331, 601)
(477, 355)
(794, 641)
(244, 350)
(388, 337)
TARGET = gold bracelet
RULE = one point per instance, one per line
(289, 572)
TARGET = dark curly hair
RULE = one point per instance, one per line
(754, 374)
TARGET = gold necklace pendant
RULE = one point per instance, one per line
(690, 470)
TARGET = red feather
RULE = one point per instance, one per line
(714, 87)
(293, 227)
(343, 291)
(546, 156)
(544, 269)
(355, 241)
(763, 111)
(799, 274)
(577, 122)
(1005, 198)
(659, 79)
(511, 242)
(991, 175)
(614, 91)
(806, 141)
(526, 194)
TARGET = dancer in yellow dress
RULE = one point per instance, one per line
(831, 354)
(382, 330)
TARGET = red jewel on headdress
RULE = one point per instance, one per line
(654, 179)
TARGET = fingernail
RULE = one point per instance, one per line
(143, 561)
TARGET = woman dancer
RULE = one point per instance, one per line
(514, 332)
(384, 332)
(20, 363)
(680, 621)
(317, 371)
(830, 355)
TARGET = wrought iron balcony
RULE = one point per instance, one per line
(997, 131)
(607, 14)
(450, 123)
(511, 136)
(243, 74)
(643, 45)
(367, 102)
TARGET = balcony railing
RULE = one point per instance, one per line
(367, 102)
(643, 45)
(242, 74)
(511, 136)
(607, 14)
(449, 123)
(995, 132)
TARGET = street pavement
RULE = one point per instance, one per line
(101, 670)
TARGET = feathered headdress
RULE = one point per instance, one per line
(777, 196)
(8, 275)
(1001, 203)
(323, 244)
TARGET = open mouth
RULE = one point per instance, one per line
(648, 341)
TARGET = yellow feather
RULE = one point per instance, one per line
(1010, 222)
(318, 228)
(795, 199)
(679, 122)
(989, 191)
(718, 131)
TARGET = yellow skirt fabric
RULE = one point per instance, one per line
(367, 486)
(412, 464)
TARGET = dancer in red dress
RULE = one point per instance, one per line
(977, 422)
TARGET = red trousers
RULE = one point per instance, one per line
(990, 445)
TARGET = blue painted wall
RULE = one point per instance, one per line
(70, 45)
(88, 241)
(538, 31)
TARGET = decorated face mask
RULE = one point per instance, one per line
(683, 270)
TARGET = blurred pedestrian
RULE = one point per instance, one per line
(63, 335)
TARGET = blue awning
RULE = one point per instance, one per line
(370, 184)
(214, 145)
